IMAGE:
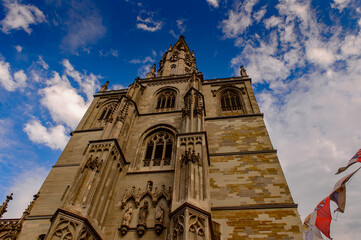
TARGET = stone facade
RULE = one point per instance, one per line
(172, 157)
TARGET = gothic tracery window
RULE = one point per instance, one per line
(231, 101)
(158, 150)
(166, 99)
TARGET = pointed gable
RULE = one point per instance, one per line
(177, 60)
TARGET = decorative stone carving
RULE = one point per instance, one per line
(196, 226)
(178, 230)
(93, 163)
(104, 87)
(142, 218)
(159, 218)
(154, 195)
(66, 226)
(243, 72)
(5, 205)
(190, 156)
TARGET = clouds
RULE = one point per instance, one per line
(239, 19)
(7, 81)
(20, 16)
(53, 137)
(24, 186)
(213, 3)
(309, 71)
(84, 26)
(146, 22)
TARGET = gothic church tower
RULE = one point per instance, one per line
(173, 157)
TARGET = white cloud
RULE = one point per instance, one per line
(320, 56)
(18, 48)
(25, 185)
(84, 27)
(144, 70)
(145, 60)
(7, 81)
(272, 22)
(42, 63)
(213, 3)
(117, 87)
(20, 78)
(238, 20)
(111, 52)
(260, 14)
(181, 26)
(20, 16)
(53, 137)
(59, 91)
(340, 4)
(147, 23)
(87, 82)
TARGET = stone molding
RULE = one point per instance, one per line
(258, 206)
(243, 153)
(235, 116)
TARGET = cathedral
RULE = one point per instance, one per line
(172, 157)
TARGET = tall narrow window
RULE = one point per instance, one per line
(173, 69)
(158, 150)
(230, 101)
(166, 99)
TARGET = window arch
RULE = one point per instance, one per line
(166, 99)
(158, 149)
(231, 101)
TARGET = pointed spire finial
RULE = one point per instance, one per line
(181, 36)
(151, 73)
(104, 87)
(5, 205)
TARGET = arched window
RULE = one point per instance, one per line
(106, 112)
(166, 99)
(231, 101)
(158, 149)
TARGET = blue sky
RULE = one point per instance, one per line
(304, 58)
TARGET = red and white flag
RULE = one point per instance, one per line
(356, 158)
(323, 219)
(338, 194)
(310, 231)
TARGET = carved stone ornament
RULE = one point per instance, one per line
(142, 218)
(159, 219)
(151, 73)
(190, 156)
(127, 217)
(5, 205)
(93, 163)
(154, 195)
(243, 72)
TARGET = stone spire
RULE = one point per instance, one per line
(4, 206)
(177, 60)
(104, 87)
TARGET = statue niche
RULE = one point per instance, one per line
(142, 218)
(126, 220)
(159, 218)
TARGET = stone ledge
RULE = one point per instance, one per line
(243, 153)
(86, 130)
(258, 206)
(235, 116)
(66, 165)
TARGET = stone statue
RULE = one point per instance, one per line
(143, 213)
(127, 216)
(243, 72)
(159, 214)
